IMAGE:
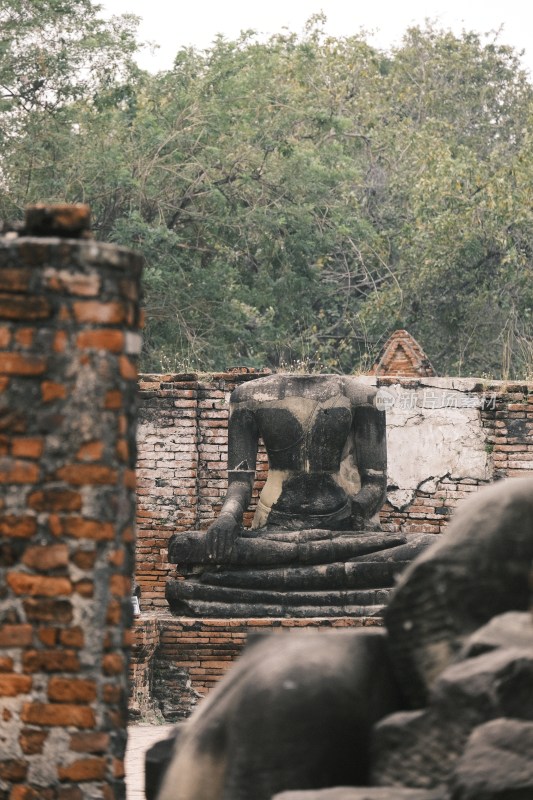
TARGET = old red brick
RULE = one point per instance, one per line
(46, 557)
(69, 793)
(113, 664)
(101, 340)
(25, 336)
(85, 588)
(23, 792)
(123, 450)
(72, 637)
(97, 742)
(48, 636)
(92, 451)
(58, 714)
(6, 664)
(55, 500)
(120, 585)
(32, 741)
(114, 613)
(47, 610)
(15, 471)
(89, 529)
(85, 769)
(128, 535)
(51, 390)
(60, 342)
(19, 307)
(37, 585)
(128, 370)
(12, 685)
(87, 474)
(14, 420)
(130, 479)
(117, 557)
(118, 768)
(5, 336)
(13, 769)
(113, 400)
(16, 635)
(71, 690)
(15, 280)
(74, 283)
(50, 661)
(19, 527)
(26, 447)
(117, 718)
(112, 313)
(84, 559)
(64, 315)
(112, 695)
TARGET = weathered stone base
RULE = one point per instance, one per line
(192, 655)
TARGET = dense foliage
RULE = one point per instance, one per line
(296, 199)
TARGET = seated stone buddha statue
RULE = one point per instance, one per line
(314, 546)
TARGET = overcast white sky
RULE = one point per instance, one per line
(173, 24)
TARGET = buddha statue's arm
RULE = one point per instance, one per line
(243, 440)
(370, 454)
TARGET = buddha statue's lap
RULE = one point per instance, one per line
(325, 441)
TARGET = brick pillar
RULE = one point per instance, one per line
(69, 341)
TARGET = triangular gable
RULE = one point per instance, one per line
(402, 355)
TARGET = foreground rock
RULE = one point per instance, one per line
(478, 569)
(497, 763)
(421, 748)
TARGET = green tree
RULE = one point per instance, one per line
(300, 198)
(53, 55)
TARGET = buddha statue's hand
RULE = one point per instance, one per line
(367, 502)
(221, 536)
(359, 514)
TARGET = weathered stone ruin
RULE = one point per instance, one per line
(446, 438)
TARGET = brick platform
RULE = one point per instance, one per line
(192, 655)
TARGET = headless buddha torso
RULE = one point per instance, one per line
(306, 433)
(325, 441)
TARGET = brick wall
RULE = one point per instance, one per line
(68, 383)
(146, 640)
(182, 463)
(506, 422)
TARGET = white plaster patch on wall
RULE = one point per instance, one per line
(432, 433)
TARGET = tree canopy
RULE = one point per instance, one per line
(296, 199)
